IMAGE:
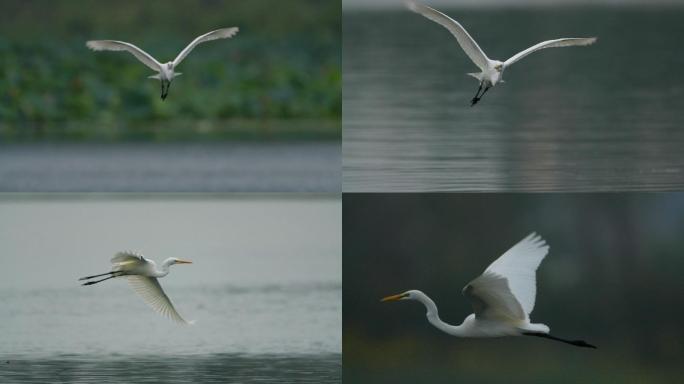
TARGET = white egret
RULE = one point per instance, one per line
(502, 297)
(166, 72)
(492, 70)
(142, 275)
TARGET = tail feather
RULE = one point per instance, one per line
(539, 328)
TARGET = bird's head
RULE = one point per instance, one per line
(408, 295)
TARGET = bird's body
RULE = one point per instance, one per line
(165, 72)
(502, 297)
(142, 275)
(491, 71)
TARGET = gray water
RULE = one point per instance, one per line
(171, 167)
(603, 118)
(219, 368)
(264, 289)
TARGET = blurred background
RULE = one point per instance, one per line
(352, 4)
(604, 117)
(272, 93)
(612, 277)
(264, 288)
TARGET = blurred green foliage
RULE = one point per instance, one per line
(285, 64)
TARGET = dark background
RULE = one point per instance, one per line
(612, 277)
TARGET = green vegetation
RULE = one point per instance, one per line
(280, 75)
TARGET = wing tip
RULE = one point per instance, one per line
(227, 32)
(535, 239)
(421, 9)
(94, 45)
(587, 40)
(102, 45)
(414, 7)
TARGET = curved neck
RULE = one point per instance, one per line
(433, 316)
(164, 268)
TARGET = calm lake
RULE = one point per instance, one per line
(264, 289)
(171, 167)
(600, 118)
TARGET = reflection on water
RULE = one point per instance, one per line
(218, 368)
(589, 118)
(170, 167)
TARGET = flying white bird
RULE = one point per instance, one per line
(166, 71)
(502, 297)
(142, 275)
(492, 70)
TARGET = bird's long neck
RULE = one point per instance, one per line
(433, 317)
(164, 268)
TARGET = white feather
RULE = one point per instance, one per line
(519, 266)
(152, 293)
(223, 33)
(467, 43)
(492, 299)
(557, 43)
(113, 45)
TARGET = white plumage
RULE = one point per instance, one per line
(142, 275)
(149, 289)
(166, 71)
(518, 266)
(491, 70)
(502, 297)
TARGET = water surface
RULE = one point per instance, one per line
(170, 167)
(219, 368)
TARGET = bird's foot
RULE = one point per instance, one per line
(474, 101)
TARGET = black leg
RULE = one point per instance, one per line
(114, 274)
(165, 88)
(577, 343)
(476, 98)
(90, 277)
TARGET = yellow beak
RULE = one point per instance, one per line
(183, 262)
(393, 297)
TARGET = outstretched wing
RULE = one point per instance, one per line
(149, 289)
(519, 265)
(567, 42)
(113, 45)
(466, 42)
(223, 33)
(492, 299)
